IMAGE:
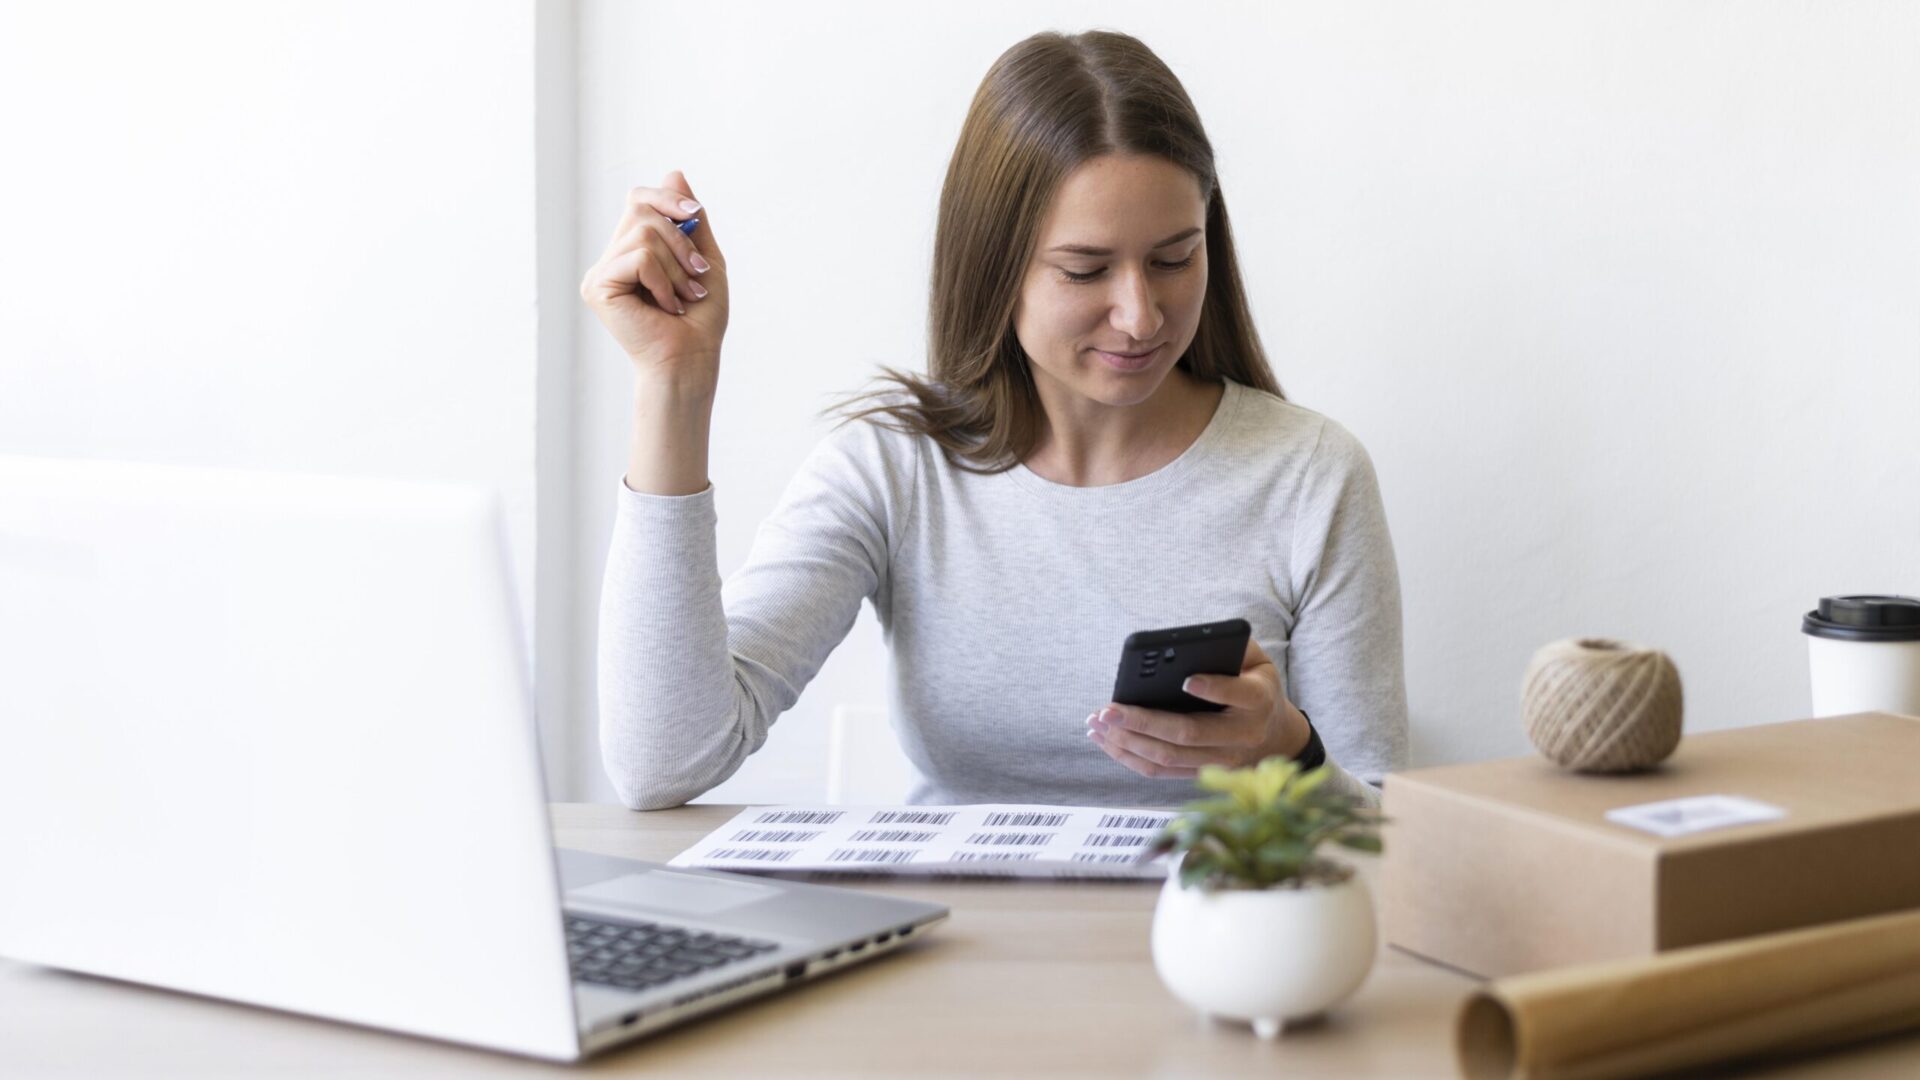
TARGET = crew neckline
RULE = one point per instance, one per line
(1152, 482)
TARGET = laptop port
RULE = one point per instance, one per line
(883, 938)
(856, 946)
(904, 931)
(630, 1018)
(831, 953)
(794, 971)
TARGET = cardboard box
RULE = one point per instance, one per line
(1507, 866)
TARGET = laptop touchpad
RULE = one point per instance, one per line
(664, 890)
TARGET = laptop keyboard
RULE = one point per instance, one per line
(642, 955)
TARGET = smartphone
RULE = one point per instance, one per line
(1153, 663)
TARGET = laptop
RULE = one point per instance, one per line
(270, 738)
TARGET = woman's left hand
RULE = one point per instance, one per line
(1258, 723)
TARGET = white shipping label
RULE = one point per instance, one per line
(1698, 813)
(976, 840)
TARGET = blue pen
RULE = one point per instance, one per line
(687, 225)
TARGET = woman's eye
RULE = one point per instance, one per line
(1091, 274)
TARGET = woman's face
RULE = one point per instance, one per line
(1136, 287)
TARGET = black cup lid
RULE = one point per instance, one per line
(1865, 618)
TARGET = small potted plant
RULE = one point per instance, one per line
(1252, 924)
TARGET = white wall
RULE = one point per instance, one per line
(291, 235)
(1624, 298)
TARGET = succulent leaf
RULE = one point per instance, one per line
(1262, 825)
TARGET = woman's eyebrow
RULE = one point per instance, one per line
(1088, 249)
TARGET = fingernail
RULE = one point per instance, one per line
(1193, 683)
(699, 264)
(1109, 716)
(689, 205)
(696, 288)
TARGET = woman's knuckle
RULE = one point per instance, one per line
(650, 274)
(665, 249)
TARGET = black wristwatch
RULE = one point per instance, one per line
(1314, 755)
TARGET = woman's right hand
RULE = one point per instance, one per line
(650, 274)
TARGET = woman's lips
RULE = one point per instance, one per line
(1128, 363)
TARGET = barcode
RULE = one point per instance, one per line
(1115, 839)
(847, 854)
(774, 836)
(1048, 821)
(800, 817)
(1092, 873)
(1102, 856)
(1018, 839)
(911, 817)
(994, 856)
(895, 836)
(763, 854)
(1134, 821)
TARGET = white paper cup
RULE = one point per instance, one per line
(1864, 655)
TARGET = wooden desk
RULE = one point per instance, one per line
(1025, 978)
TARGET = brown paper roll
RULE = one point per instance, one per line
(1770, 994)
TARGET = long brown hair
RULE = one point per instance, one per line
(1047, 105)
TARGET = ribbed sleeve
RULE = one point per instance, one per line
(692, 672)
(1344, 661)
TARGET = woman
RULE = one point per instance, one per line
(1099, 447)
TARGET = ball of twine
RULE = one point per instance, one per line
(1597, 705)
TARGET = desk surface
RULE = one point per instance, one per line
(1025, 978)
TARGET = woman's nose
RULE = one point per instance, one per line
(1136, 311)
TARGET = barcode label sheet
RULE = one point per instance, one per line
(991, 839)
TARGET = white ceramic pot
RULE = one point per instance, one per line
(1266, 956)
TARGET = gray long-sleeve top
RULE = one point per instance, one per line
(1004, 601)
